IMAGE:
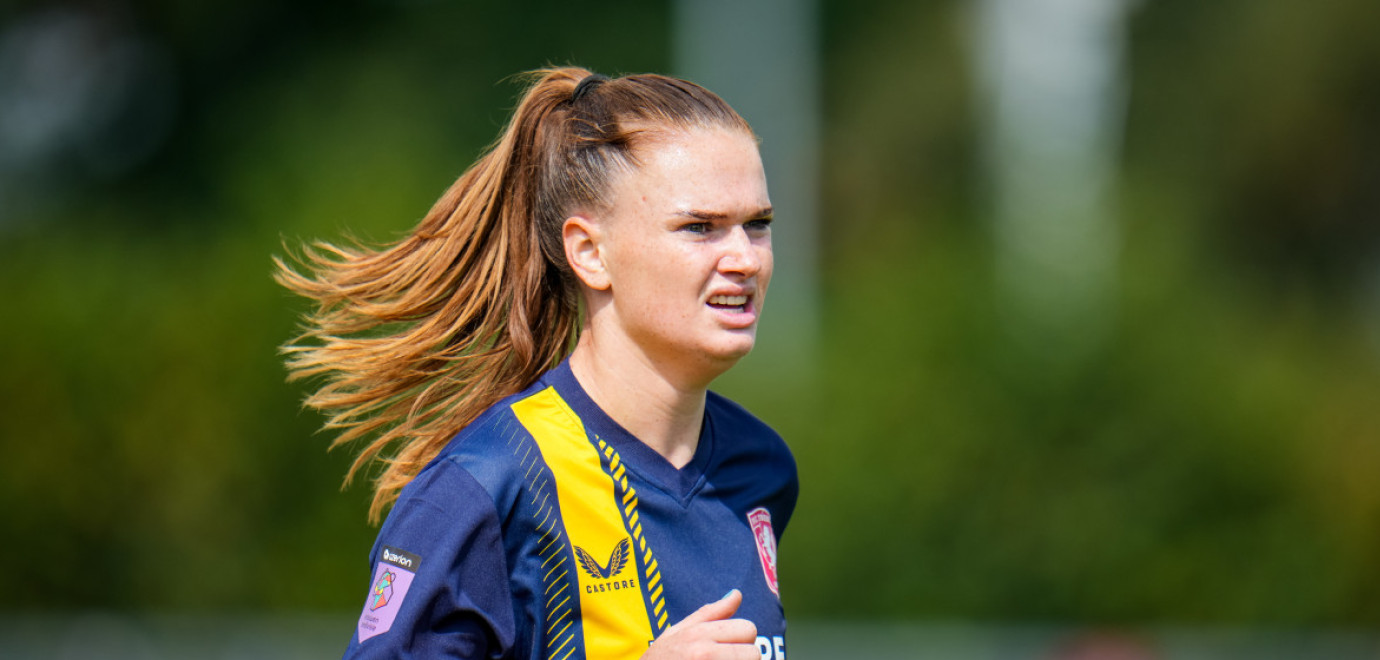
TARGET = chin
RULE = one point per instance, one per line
(733, 350)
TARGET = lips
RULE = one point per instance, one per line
(734, 310)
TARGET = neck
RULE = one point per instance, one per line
(659, 407)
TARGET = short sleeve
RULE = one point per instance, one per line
(438, 575)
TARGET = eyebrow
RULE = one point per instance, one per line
(697, 214)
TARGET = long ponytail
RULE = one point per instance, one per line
(414, 340)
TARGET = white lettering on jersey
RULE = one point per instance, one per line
(772, 649)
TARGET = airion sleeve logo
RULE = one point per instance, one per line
(392, 577)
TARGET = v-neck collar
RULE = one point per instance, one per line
(681, 484)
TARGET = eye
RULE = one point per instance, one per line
(759, 224)
(695, 227)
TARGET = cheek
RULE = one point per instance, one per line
(658, 282)
(764, 257)
(675, 282)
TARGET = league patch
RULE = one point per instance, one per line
(392, 577)
(760, 521)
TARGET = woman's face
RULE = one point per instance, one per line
(686, 247)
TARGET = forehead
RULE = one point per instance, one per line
(715, 170)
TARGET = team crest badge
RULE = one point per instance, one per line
(392, 577)
(759, 520)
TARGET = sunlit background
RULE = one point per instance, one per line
(1075, 332)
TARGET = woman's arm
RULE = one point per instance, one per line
(439, 582)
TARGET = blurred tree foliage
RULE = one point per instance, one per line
(1212, 461)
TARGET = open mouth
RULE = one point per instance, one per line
(729, 303)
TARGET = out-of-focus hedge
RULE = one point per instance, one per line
(1212, 458)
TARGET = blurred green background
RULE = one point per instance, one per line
(1212, 459)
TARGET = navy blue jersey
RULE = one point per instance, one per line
(546, 530)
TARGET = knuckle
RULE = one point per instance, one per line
(751, 629)
(741, 630)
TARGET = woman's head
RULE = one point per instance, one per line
(635, 167)
(676, 266)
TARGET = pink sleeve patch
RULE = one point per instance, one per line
(386, 593)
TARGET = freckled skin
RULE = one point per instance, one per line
(663, 265)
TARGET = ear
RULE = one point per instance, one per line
(582, 250)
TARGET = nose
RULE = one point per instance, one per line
(740, 256)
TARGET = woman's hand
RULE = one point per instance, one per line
(708, 634)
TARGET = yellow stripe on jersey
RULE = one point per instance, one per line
(651, 574)
(615, 620)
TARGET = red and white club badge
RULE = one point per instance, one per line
(760, 521)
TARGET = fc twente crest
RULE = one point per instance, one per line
(617, 560)
(760, 521)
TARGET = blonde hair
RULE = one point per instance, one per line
(415, 339)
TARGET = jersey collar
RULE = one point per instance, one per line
(681, 484)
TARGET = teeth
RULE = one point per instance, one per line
(731, 301)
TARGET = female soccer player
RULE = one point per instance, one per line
(531, 367)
